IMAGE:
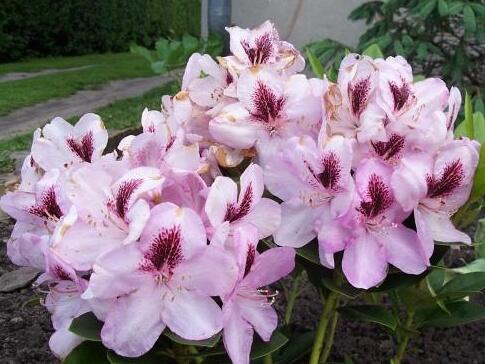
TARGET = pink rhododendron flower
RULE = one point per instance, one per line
(164, 281)
(247, 308)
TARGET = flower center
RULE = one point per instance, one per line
(379, 198)
(48, 208)
(235, 212)
(267, 105)
(451, 178)
(261, 51)
(84, 148)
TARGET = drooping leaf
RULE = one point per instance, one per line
(87, 326)
(261, 348)
(87, 352)
(141, 51)
(479, 127)
(460, 313)
(443, 7)
(315, 64)
(309, 252)
(211, 342)
(369, 313)
(468, 122)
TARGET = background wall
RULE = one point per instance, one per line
(299, 21)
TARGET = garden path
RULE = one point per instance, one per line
(31, 117)
(14, 76)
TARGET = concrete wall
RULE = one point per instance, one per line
(299, 21)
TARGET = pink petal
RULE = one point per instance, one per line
(213, 272)
(364, 263)
(404, 249)
(134, 323)
(252, 177)
(270, 266)
(261, 315)
(192, 316)
(441, 228)
(237, 336)
(265, 216)
(222, 193)
(63, 341)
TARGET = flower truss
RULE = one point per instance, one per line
(155, 236)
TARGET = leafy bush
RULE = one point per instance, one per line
(438, 37)
(170, 53)
(72, 27)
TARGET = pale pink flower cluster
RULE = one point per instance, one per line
(154, 237)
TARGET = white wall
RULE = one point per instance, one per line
(315, 19)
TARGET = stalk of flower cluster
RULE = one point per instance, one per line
(331, 335)
(404, 339)
(327, 312)
(293, 295)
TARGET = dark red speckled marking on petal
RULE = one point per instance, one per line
(391, 148)
(332, 170)
(125, 191)
(400, 94)
(267, 105)
(379, 198)
(47, 208)
(84, 149)
(451, 178)
(60, 273)
(165, 252)
(234, 212)
(261, 51)
(358, 95)
(251, 254)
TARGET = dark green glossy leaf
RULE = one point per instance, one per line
(469, 19)
(87, 326)
(460, 313)
(479, 239)
(88, 352)
(478, 265)
(297, 347)
(443, 7)
(479, 127)
(345, 289)
(211, 342)
(369, 313)
(464, 283)
(261, 348)
(455, 7)
(149, 358)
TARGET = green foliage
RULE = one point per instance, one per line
(171, 53)
(45, 27)
(438, 37)
(87, 326)
(369, 313)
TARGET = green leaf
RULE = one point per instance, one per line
(479, 127)
(373, 51)
(297, 347)
(478, 8)
(455, 7)
(479, 239)
(149, 358)
(87, 326)
(398, 48)
(315, 64)
(478, 189)
(191, 44)
(464, 284)
(344, 289)
(460, 313)
(426, 9)
(210, 342)
(478, 265)
(88, 352)
(435, 281)
(443, 7)
(261, 348)
(468, 116)
(159, 67)
(469, 19)
(309, 252)
(162, 47)
(369, 313)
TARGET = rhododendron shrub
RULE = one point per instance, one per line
(176, 239)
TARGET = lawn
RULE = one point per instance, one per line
(116, 116)
(106, 67)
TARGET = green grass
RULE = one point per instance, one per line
(119, 115)
(107, 67)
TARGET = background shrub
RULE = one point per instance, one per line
(73, 27)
